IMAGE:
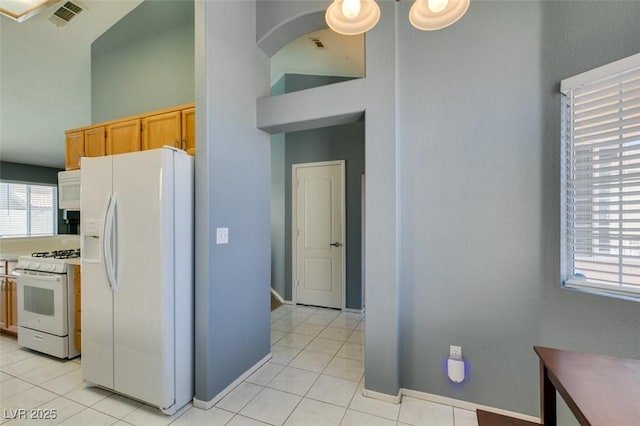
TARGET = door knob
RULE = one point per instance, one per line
(336, 244)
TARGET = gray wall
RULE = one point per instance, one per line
(480, 222)
(343, 103)
(278, 207)
(344, 142)
(232, 190)
(27, 173)
(463, 214)
(145, 61)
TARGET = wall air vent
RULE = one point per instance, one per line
(65, 13)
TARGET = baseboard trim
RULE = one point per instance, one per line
(277, 296)
(394, 399)
(465, 405)
(205, 405)
(354, 311)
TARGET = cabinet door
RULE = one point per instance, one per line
(12, 305)
(4, 305)
(74, 149)
(94, 142)
(123, 137)
(162, 129)
(189, 131)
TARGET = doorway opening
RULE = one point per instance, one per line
(328, 144)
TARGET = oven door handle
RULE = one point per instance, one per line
(107, 243)
(39, 277)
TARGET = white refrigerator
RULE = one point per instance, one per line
(137, 275)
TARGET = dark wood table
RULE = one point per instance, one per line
(599, 390)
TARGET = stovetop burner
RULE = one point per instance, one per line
(58, 254)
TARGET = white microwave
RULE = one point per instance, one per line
(69, 190)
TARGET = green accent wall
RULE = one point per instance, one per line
(27, 173)
(145, 61)
(293, 82)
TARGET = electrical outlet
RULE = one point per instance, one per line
(455, 352)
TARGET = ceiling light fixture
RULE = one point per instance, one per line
(352, 17)
(21, 10)
(430, 15)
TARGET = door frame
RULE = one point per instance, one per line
(294, 220)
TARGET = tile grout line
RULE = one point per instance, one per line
(332, 323)
(323, 370)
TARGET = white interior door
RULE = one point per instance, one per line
(319, 234)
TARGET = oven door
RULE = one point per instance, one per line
(42, 302)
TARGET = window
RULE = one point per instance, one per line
(601, 180)
(27, 210)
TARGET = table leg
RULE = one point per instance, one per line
(547, 398)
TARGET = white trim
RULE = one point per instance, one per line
(465, 405)
(294, 167)
(604, 71)
(363, 231)
(205, 405)
(355, 311)
(394, 399)
(277, 296)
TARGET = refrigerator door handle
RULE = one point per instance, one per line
(114, 242)
(107, 243)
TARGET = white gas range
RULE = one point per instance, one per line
(46, 302)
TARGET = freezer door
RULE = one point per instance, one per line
(97, 298)
(144, 272)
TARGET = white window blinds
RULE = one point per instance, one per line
(601, 179)
(27, 209)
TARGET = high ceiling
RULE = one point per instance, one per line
(45, 79)
(45, 74)
(323, 52)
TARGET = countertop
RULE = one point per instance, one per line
(12, 248)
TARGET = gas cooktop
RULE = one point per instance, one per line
(58, 254)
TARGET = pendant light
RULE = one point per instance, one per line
(430, 15)
(351, 17)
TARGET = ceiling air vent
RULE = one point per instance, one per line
(65, 13)
(317, 43)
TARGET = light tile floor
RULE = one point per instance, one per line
(314, 378)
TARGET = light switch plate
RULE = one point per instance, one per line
(222, 235)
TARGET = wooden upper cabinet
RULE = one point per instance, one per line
(95, 142)
(123, 136)
(175, 126)
(74, 149)
(189, 131)
(161, 129)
